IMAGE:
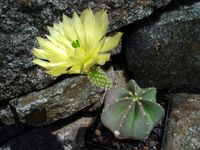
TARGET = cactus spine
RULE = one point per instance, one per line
(132, 112)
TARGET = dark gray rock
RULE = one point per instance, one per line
(166, 52)
(9, 131)
(22, 20)
(58, 101)
(72, 136)
(17, 73)
(37, 139)
(51, 104)
(183, 130)
(68, 137)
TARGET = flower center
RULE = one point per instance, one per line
(75, 44)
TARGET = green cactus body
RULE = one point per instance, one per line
(132, 112)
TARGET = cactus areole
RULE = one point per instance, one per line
(131, 112)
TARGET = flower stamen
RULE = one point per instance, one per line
(75, 44)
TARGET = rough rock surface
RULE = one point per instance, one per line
(58, 101)
(46, 106)
(68, 137)
(166, 52)
(22, 20)
(72, 136)
(183, 130)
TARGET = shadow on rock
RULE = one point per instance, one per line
(80, 139)
(10, 131)
(37, 139)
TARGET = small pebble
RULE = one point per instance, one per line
(97, 132)
(145, 148)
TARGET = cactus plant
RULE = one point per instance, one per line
(99, 78)
(131, 112)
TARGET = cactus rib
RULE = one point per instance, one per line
(131, 113)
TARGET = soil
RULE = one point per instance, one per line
(103, 139)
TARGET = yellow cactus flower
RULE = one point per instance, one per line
(76, 44)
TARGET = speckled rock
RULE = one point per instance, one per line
(17, 73)
(166, 52)
(58, 101)
(22, 20)
(183, 130)
(46, 106)
(118, 75)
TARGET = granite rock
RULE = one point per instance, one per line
(51, 104)
(59, 101)
(184, 122)
(165, 52)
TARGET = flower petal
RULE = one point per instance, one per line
(61, 43)
(111, 42)
(39, 53)
(57, 71)
(46, 64)
(54, 39)
(68, 29)
(79, 54)
(78, 27)
(88, 20)
(57, 38)
(88, 64)
(101, 18)
(102, 58)
(75, 69)
(51, 48)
